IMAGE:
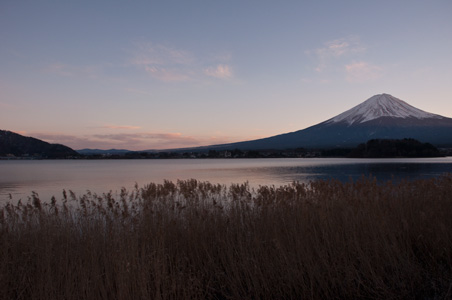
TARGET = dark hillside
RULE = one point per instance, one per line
(385, 148)
(13, 144)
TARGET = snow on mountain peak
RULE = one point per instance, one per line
(383, 105)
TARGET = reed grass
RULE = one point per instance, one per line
(196, 240)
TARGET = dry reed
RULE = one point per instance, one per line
(196, 240)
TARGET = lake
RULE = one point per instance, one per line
(18, 178)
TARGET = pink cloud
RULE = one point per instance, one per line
(167, 75)
(163, 63)
(130, 141)
(333, 50)
(149, 54)
(120, 127)
(170, 64)
(142, 141)
(221, 71)
(362, 71)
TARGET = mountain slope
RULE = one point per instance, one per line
(18, 145)
(380, 117)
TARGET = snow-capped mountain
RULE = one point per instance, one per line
(379, 117)
(378, 106)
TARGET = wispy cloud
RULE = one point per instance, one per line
(362, 72)
(131, 141)
(335, 49)
(162, 62)
(171, 64)
(160, 140)
(344, 57)
(168, 74)
(148, 54)
(221, 71)
(120, 127)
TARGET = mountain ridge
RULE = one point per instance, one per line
(379, 117)
(16, 145)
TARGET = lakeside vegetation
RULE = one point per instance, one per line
(195, 240)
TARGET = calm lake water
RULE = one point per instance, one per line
(49, 177)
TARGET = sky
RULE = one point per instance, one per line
(142, 75)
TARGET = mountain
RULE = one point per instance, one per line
(379, 117)
(21, 146)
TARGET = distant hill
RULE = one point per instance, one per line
(13, 144)
(103, 152)
(378, 148)
(379, 117)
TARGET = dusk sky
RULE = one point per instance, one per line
(165, 74)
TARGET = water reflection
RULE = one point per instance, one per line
(278, 175)
(346, 172)
(48, 178)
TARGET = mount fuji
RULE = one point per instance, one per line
(379, 117)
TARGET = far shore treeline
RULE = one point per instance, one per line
(16, 146)
(377, 148)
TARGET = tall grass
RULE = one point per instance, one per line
(196, 240)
